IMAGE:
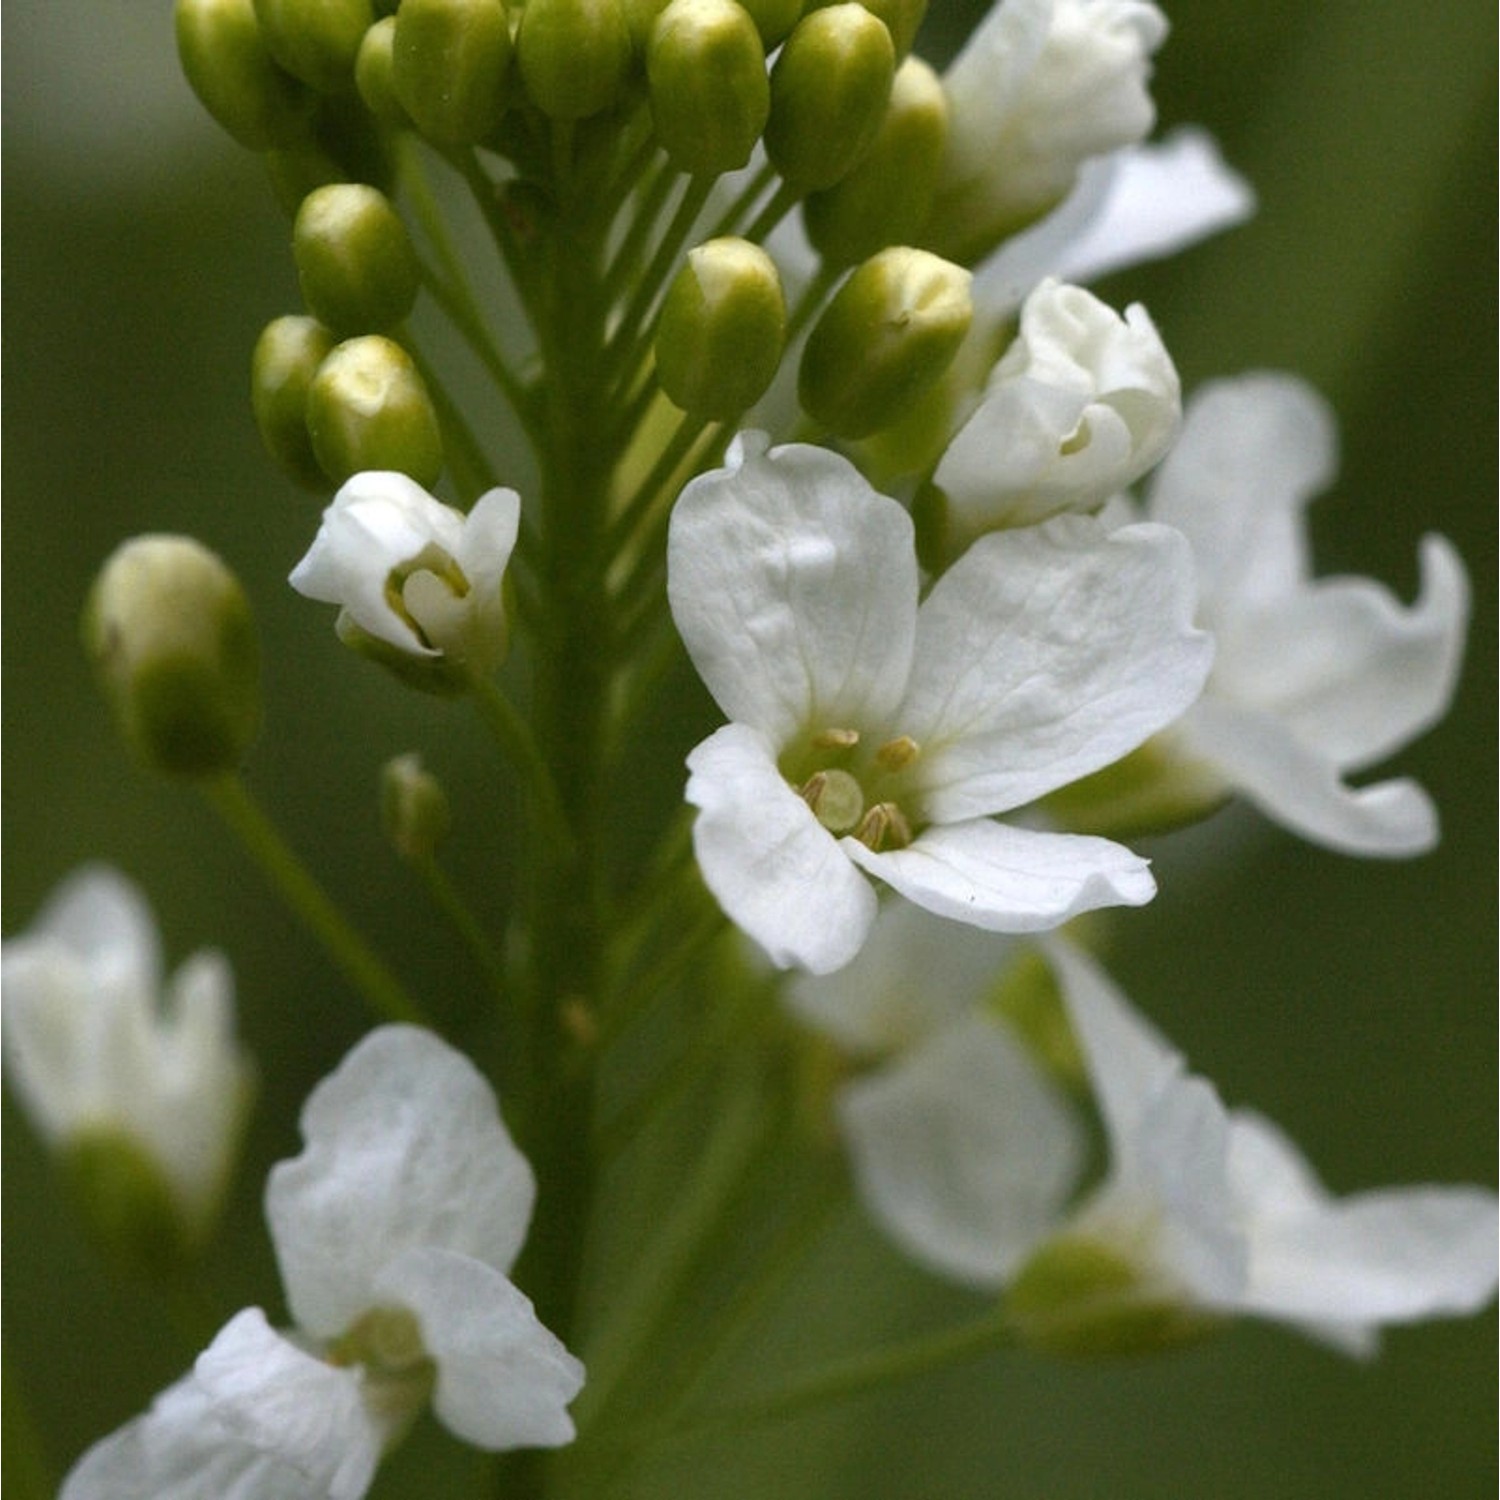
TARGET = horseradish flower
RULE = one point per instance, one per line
(1313, 679)
(1040, 87)
(394, 1230)
(1082, 403)
(417, 582)
(871, 737)
(136, 1085)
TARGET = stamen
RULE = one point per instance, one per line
(835, 739)
(898, 753)
(884, 827)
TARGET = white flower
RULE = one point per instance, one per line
(1313, 679)
(1082, 403)
(1203, 1212)
(415, 578)
(871, 737)
(394, 1230)
(1041, 87)
(99, 1050)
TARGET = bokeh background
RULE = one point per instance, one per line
(1352, 1001)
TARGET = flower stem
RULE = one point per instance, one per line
(231, 799)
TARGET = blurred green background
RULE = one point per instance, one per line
(1353, 1002)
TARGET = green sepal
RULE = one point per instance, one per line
(345, 144)
(574, 55)
(316, 40)
(355, 261)
(1155, 789)
(367, 408)
(375, 75)
(125, 1203)
(287, 355)
(451, 64)
(414, 810)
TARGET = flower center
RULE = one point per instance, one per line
(852, 790)
(419, 589)
(399, 1373)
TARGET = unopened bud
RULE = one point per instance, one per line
(892, 329)
(225, 58)
(287, 356)
(375, 75)
(774, 19)
(452, 67)
(722, 330)
(903, 19)
(414, 807)
(829, 91)
(125, 1203)
(1084, 1298)
(169, 631)
(316, 40)
(368, 409)
(886, 197)
(342, 144)
(355, 261)
(706, 69)
(573, 55)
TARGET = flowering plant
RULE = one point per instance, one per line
(856, 607)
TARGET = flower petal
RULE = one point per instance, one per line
(267, 1393)
(1008, 879)
(103, 920)
(962, 1151)
(405, 1148)
(779, 875)
(794, 586)
(1301, 789)
(1346, 667)
(503, 1381)
(1044, 654)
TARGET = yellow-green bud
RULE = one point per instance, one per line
(774, 19)
(414, 807)
(1081, 1297)
(891, 330)
(452, 67)
(368, 409)
(886, 197)
(375, 75)
(829, 91)
(226, 61)
(706, 70)
(355, 261)
(316, 40)
(343, 144)
(722, 329)
(903, 19)
(126, 1204)
(573, 55)
(286, 357)
(169, 631)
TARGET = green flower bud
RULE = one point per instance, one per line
(640, 18)
(169, 631)
(903, 19)
(774, 19)
(885, 199)
(573, 55)
(706, 70)
(414, 807)
(1081, 1297)
(226, 61)
(126, 1204)
(452, 64)
(368, 409)
(286, 357)
(354, 258)
(891, 330)
(344, 144)
(316, 40)
(722, 329)
(375, 75)
(829, 91)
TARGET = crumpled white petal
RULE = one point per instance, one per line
(780, 876)
(962, 1151)
(1008, 879)
(794, 587)
(503, 1380)
(1044, 654)
(405, 1148)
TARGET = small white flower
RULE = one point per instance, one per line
(1082, 403)
(869, 736)
(1314, 679)
(97, 1048)
(412, 575)
(394, 1230)
(1041, 87)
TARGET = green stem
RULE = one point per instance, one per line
(735, 213)
(230, 798)
(517, 743)
(450, 902)
(781, 203)
(681, 443)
